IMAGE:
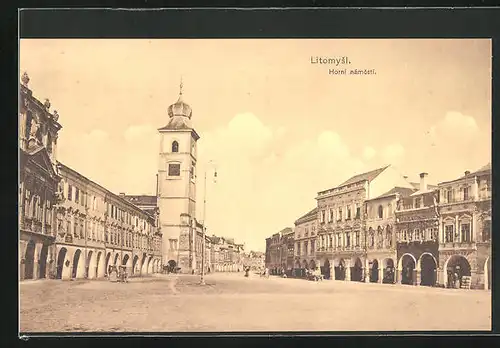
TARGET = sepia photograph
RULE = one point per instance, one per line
(254, 185)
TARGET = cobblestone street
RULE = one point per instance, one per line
(231, 302)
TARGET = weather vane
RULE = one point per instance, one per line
(181, 85)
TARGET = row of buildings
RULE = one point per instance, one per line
(380, 227)
(72, 227)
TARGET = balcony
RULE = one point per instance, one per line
(457, 245)
(458, 200)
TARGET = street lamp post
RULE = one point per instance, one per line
(202, 278)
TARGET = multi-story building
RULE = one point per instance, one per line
(226, 256)
(417, 236)
(267, 255)
(38, 185)
(71, 227)
(198, 243)
(274, 263)
(287, 246)
(254, 260)
(305, 242)
(147, 203)
(96, 229)
(380, 238)
(341, 232)
(465, 228)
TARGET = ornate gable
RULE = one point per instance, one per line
(39, 158)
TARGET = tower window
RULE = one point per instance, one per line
(174, 169)
(193, 174)
(175, 146)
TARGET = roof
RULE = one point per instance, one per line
(483, 170)
(311, 213)
(368, 176)
(110, 194)
(416, 185)
(141, 199)
(179, 123)
(403, 191)
(287, 230)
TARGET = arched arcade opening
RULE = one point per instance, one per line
(134, 264)
(374, 271)
(340, 270)
(29, 260)
(325, 269)
(407, 268)
(456, 268)
(61, 257)
(389, 272)
(42, 270)
(428, 270)
(357, 270)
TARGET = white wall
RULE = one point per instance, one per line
(387, 180)
(174, 191)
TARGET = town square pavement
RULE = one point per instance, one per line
(231, 302)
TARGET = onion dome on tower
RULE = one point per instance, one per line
(180, 108)
(179, 113)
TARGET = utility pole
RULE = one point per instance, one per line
(202, 280)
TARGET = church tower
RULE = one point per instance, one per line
(177, 186)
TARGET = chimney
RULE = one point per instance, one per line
(405, 177)
(467, 172)
(122, 194)
(423, 181)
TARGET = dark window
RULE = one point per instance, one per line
(174, 169)
(418, 202)
(29, 117)
(486, 231)
(380, 212)
(358, 212)
(49, 143)
(175, 146)
(466, 235)
(466, 193)
(77, 195)
(449, 196)
(348, 213)
(70, 192)
(448, 230)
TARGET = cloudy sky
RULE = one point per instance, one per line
(278, 128)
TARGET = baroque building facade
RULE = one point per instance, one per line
(342, 215)
(465, 228)
(417, 236)
(254, 260)
(381, 235)
(71, 227)
(287, 253)
(38, 184)
(226, 255)
(305, 234)
(97, 229)
(274, 250)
